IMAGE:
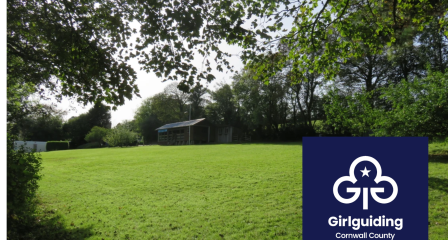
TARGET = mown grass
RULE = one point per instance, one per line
(438, 197)
(249, 191)
(439, 148)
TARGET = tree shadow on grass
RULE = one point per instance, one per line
(438, 184)
(50, 226)
(438, 158)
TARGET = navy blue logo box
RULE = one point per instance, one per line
(365, 187)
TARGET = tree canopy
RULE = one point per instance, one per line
(71, 48)
(80, 48)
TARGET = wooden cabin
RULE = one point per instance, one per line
(196, 131)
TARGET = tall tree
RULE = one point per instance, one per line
(223, 106)
(167, 108)
(146, 120)
(365, 73)
(433, 47)
(197, 101)
(179, 97)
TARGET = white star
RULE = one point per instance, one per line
(365, 172)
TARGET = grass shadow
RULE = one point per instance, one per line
(438, 158)
(438, 184)
(50, 226)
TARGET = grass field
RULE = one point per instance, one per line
(250, 191)
(179, 192)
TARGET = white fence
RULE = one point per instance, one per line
(31, 145)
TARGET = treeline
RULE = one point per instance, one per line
(400, 91)
(46, 123)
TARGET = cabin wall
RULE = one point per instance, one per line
(224, 134)
(180, 136)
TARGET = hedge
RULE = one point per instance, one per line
(57, 145)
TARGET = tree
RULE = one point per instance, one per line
(72, 46)
(121, 137)
(247, 94)
(263, 108)
(223, 105)
(419, 108)
(147, 121)
(76, 128)
(433, 49)
(127, 124)
(43, 124)
(365, 73)
(97, 134)
(166, 108)
(345, 27)
(197, 101)
(179, 97)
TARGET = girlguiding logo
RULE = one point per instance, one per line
(365, 203)
(373, 191)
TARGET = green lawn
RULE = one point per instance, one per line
(250, 191)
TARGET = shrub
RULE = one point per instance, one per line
(96, 134)
(22, 176)
(57, 145)
(121, 137)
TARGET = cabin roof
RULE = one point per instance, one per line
(181, 124)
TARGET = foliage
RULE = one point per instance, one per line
(349, 113)
(417, 108)
(344, 29)
(223, 106)
(169, 33)
(41, 126)
(197, 101)
(96, 134)
(170, 105)
(71, 47)
(434, 47)
(22, 183)
(18, 105)
(57, 145)
(76, 128)
(121, 137)
(280, 110)
(127, 124)
(146, 120)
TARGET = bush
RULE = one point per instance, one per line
(22, 176)
(96, 134)
(121, 137)
(57, 145)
